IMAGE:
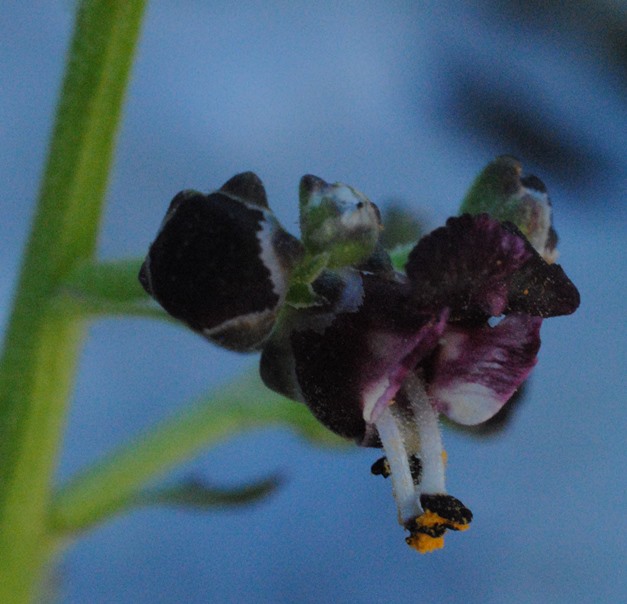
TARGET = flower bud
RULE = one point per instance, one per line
(338, 220)
(221, 263)
(503, 192)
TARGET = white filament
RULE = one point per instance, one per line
(406, 493)
(428, 429)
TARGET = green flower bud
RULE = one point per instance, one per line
(501, 191)
(337, 220)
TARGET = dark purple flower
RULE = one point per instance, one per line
(376, 354)
(387, 352)
(221, 263)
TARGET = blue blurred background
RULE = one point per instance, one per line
(406, 101)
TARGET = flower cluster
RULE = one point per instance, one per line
(375, 353)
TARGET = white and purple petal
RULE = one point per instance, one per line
(477, 369)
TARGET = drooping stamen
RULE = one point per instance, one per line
(441, 512)
(415, 461)
(381, 467)
(389, 426)
(430, 441)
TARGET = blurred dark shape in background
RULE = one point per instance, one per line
(507, 108)
(602, 23)
(507, 112)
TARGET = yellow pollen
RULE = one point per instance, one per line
(424, 543)
(444, 456)
(525, 292)
(430, 518)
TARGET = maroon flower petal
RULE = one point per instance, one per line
(221, 263)
(466, 266)
(480, 267)
(477, 369)
(541, 289)
(277, 367)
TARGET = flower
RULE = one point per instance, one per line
(388, 352)
(376, 354)
(221, 263)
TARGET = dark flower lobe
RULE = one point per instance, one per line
(480, 267)
(465, 266)
(206, 251)
(248, 187)
(355, 363)
(220, 263)
(540, 289)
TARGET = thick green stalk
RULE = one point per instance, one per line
(42, 343)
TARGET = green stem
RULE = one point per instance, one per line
(42, 344)
(96, 289)
(107, 488)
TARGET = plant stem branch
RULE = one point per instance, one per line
(42, 344)
(106, 488)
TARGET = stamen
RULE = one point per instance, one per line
(415, 465)
(415, 460)
(389, 426)
(442, 512)
(381, 467)
(428, 430)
